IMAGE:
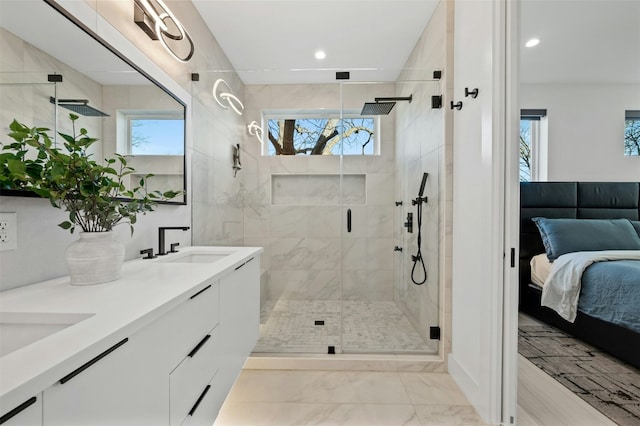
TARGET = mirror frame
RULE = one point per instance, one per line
(74, 21)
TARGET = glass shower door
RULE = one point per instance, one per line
(383, 311)
(297, 217)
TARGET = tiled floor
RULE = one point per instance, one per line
(289, 326)
(294, 398)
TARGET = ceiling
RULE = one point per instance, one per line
(273, 42)
(581, 41)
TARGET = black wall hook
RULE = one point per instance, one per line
(457, 106)
(473, 93)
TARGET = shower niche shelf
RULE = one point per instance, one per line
(318, 189)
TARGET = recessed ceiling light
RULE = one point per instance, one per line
(320, 54)
(532, 42)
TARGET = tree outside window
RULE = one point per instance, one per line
(525, 150)
(321, 136)
(632, 133)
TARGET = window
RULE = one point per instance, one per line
(155, 133)
(530, 143)
(631, 132)
(321, 135)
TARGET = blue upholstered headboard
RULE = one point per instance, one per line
(578, 200)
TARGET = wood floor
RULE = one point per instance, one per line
(542, 401)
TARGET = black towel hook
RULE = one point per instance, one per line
(473, 93)
(457, 106)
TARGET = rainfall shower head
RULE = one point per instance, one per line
(79, 106)
(382, 106)
(377, 108)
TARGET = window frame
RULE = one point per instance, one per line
(538, 122)
(130, 116)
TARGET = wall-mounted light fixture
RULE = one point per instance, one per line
(229, 99)
(254, 129)
(159, 23)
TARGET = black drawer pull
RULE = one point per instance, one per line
(88, 364)
(18, 409)
(195, 406)
(348, 220)
(198, 346)
(200, 292)
(241, 265)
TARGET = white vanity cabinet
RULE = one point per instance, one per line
(240, 317)
(130, 382)
(123, 385)
(28, 413)
(166, 360)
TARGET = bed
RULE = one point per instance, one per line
(583, 204)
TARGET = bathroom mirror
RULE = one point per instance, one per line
(118, 103)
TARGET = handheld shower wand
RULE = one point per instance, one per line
(417, 259)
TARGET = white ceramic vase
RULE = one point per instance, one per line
(95, 258)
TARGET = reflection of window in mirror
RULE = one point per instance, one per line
(293, 134)
(152, 132)
(632, 132)
(532, 137)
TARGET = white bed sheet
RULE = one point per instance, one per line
(540, 268)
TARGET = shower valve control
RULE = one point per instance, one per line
(409, 223)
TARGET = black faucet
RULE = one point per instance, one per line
(161, 230)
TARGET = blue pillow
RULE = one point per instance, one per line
(636, 224)
(561, 236)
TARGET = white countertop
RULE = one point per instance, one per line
(146, 290)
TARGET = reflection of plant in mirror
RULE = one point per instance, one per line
(70, 179)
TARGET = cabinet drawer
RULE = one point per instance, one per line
(209, 407)
(28, 413)
(191, 376)
(185, 326)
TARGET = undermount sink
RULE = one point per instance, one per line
(196, 257)
(19, 329)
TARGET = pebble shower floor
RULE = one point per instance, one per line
(298, 326)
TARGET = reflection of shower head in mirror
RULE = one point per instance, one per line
(422, 185)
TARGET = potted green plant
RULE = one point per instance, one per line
(94, 195)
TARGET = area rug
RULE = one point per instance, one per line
(609, 385)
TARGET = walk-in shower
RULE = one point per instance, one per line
(329, 222)
(332, 281)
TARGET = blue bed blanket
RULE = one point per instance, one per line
(611, 292)
(604, 285)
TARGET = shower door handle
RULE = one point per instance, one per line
(348, 220)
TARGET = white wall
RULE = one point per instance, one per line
(478, 185)
(586, 130)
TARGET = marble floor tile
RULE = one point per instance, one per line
(432, 388)
(441, 415)
(319, 387)
(295, 398)
(298, 414)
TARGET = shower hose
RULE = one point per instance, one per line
(417, 259)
